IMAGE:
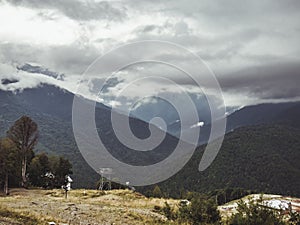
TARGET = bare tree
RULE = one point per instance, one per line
(24, 133)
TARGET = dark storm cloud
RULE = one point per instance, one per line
(248, 36)
(217, 47)
(17, 53)
(272, 81)
(70, 59)
(78, 10)
(183, 34)
(230, 12)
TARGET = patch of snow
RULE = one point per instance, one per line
(277, 204)
(199, 124)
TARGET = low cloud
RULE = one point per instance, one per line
(78, 10)
(253, 47)
(272, 81)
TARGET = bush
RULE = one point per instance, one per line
(157, 192)
(200, 210)
(294, 218)
(169, 212)
(157, 208)
(256, 213)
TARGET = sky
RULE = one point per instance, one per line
(252, 47)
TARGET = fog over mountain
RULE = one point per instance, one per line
(252, 48)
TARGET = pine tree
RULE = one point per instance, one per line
(157, 192)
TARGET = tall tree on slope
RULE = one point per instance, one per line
(24, 133)
(9, 162)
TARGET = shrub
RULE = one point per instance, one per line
(256, 213)
(200, 210)
(169, 212)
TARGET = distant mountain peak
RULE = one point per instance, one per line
(6, 81)
(36, 68)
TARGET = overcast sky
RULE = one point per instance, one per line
(251, 46)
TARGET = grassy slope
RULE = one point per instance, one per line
(35, 207)
(82, 206)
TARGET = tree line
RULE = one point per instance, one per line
(20, 166)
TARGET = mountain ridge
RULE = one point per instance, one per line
(57, 134)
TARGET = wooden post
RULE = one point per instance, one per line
(6, 184)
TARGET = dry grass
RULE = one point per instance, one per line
(82, 207)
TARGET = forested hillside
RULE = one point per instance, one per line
(51, 108)
(259, 158)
